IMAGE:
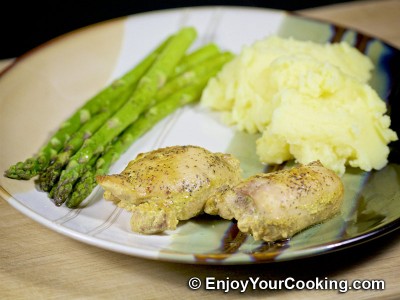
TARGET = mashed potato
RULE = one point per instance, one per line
(310, 101)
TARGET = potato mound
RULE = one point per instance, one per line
(310, 101)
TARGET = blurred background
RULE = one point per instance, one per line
(25, 25)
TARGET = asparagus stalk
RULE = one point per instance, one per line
(194, 58)
(33, 165)
(83, 188)
(193, 74)
(147, 87)
(82, 181)
(49, 177)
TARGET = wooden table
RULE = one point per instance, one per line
(37, 263)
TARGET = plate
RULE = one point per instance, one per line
(47, 84)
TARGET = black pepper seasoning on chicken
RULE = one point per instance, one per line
(277, 205)
(169, 184)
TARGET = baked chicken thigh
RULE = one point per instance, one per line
(170, 184)
(276, 205)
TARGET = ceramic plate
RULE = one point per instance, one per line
(47, 84)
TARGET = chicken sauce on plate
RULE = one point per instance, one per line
(176, 183)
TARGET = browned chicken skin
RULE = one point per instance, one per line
(170, 184)
(277, 205)
(176, 183)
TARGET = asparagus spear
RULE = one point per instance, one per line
(197, 56)
(193, 74)
(83, 188)
(83, 180)
(147, 87)
(49, 177)
(33, 165)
